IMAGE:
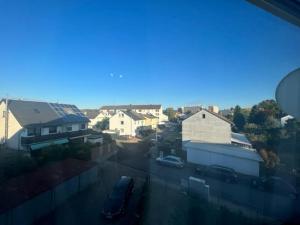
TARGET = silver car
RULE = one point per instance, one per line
(170, 161)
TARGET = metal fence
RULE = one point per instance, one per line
(42, 204)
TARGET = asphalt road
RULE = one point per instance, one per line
(242, 194)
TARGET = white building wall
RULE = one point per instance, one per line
(240, 165)
(15, 130)
(210, 129)
(156, 112)
(129, 126)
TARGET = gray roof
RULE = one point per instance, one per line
(124, 107)
(134, 115)
(215, 114)
(90, 113)
(150, 116)
(33, 113)
(240, 138)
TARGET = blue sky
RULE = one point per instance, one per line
(92, 53)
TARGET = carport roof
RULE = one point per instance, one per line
(225, 149)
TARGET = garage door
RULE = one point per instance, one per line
(244, 166)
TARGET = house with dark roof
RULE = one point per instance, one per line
(31, 125)
(96, 116)
(208, 140)
(127, 122)
(154, 109)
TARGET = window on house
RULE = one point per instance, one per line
(4, 114)
(69, 128)
(33, 131)
(157, 110)
(30, 131)
(82, 126)
(122, 130)
(203, 116)
(52, 130)
(122, 122)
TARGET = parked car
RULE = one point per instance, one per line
(276, 185)
(116, 202)
(220, 172)
(170, 160)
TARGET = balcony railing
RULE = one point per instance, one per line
(42, 138)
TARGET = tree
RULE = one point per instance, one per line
(170, 112)
(103, 125)
(238, 118)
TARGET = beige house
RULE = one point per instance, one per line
(30, 125)
(151, 121)
(155, 110)
(127, 123)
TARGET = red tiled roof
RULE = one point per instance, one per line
(27, 186)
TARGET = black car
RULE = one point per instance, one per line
(276, 185)
(116, 202)
(219, 172)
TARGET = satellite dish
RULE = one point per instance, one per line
(288, 94)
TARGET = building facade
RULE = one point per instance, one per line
(155, 110)
(206, 126)
(95, 116)
(213, 108)
(30, 125)
(127, 123)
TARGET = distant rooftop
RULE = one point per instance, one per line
(90, 113)
(124, 107)
(134, 115)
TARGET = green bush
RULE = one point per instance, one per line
(60, 152)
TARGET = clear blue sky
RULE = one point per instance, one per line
(175, 53)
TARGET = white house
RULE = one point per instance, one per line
(126, 123)
(155, 110)
(208, 140)
(95, 116)
(283, 120)
(30, 125)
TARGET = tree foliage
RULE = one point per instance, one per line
(103, 125)
(170, 112)
(239, 118)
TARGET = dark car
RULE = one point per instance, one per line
(277, 185)
(116, 202)
(220, 172)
